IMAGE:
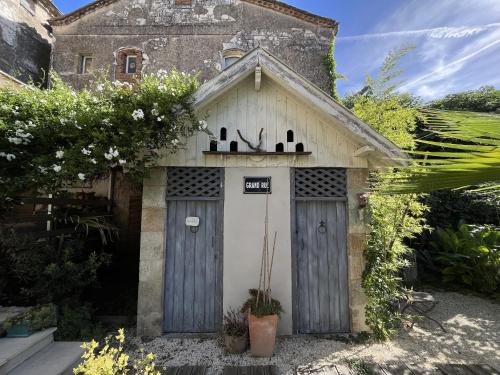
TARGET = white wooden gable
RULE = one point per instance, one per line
(274, 98)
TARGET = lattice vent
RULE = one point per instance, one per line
(193, 182)
(320, 182)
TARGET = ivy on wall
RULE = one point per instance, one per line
(58, 137)
(332, 70)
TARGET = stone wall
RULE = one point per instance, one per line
(152, 259)
(190, 38)
(357, 180)
(25, 44)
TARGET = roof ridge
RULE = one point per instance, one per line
(268, 4)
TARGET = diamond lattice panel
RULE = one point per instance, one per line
(320, 182)
(193, 183)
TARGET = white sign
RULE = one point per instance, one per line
(192, 221)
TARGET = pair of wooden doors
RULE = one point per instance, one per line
(321, 302)
(193, 266)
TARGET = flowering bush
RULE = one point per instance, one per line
(53, 138)
(111, 359)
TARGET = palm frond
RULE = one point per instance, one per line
(469, 160)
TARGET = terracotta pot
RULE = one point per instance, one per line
(262, 334)
(236, 344)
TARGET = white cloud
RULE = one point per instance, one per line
(458, 46)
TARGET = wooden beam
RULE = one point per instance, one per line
(363, 151)
(258, 78)
(253, 153)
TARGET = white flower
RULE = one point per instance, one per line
(138, 114)
(175, 142)
(93, 161)
(154, 112)
(121, 161)
(113, 153)
(100, 87)
(56, 168)
(86, 151)
(203, 124)
(9, 157)
(59, 154)
(42, 169)
(81, 176)
(15, 140)
(158, 119)
(63, 121)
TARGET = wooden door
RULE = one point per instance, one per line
(320, 248)
(193, 270)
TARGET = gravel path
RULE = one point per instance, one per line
(473, 336)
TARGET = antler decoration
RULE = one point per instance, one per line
(257, 148)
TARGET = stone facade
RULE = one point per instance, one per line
(25, 40)
(152, 261)
(189, 36)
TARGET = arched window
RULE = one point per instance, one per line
(128, 64)
(213, 145)
(280, 147)
(223, 134)
(299, 147)
(233, 146)
(289, 136)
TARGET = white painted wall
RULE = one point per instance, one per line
(243, 237)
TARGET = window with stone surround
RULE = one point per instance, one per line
(85, 65)
(128, 64)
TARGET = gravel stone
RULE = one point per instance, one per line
(473, 336)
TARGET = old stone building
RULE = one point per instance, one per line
(191, 36)
(265, 78)
(25, 40)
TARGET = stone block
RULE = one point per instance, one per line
(152, 246)
(154, 197)
(150, 324)
(152, 270)
(157, 177)
(153, 219)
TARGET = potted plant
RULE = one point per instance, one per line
(235, 332)
(35, 319)
(263, 313)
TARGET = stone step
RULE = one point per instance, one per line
(14, 351)
(58, 358)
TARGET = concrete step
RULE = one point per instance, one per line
(14, 351)
(58, 358)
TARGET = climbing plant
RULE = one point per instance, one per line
(332, 70)
(394, 219)
(57, 137)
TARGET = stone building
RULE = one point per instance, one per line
(25, 40)
(263, 64)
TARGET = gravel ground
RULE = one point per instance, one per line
(473, 336)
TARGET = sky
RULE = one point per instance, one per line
(457, 42)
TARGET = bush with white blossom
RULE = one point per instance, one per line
(58, 137)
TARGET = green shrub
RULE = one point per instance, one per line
(261, 307)
(235, 323)
(75, 323)
(470, 257)
(37, 318)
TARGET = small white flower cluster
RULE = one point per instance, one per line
(138, 114)
(59, 154)
(56, 168)
(9, 157)
(155, 112)
(174, 142)
(21, 137)
(122, 84)
(81, 176)
(100, 87)
(113, 153)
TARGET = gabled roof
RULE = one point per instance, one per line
(269, 4)
(279, 72)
